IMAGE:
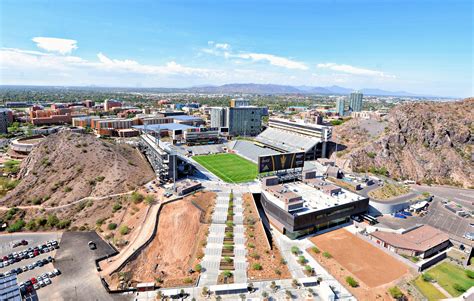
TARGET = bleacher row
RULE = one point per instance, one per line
(286, 141)
(249, 150)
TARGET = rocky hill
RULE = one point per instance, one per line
(67, 166)
(426, 142)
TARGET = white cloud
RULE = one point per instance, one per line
(273, 60)
(354, 70)
(223, 49)
(223, 46)
(62, 46)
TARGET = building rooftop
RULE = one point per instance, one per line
(317, 195)
(186, 117)
(286, 141)
(164, 126)
(9, 289)
(420, 239)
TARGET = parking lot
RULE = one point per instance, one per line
(438, 217)
(80, 279)
(33, 266)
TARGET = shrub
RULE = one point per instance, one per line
(315, 250)
(395, 292)
(257, 266)
(251, 245)
(459, 287)
(229, 235)
(352, 282)
(308, 268)
(100, 178)
(67, 189)
(112, 226)
(228, 247)
(116, 207)
(255, 255)
(227, 259)
(136, 197)
(295, 250)
(227, 273)
(187, 280)
(302, 259)
(426, 277)
(124, 230)
(327, 255)
(198, 268)
(63, 224)
(36, 201)
(53, 220)
(149, 199)
(371, 155)
(100, 221)
(470, 274)
(31, 225)
(16, 226)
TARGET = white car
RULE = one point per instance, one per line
(47, 281)
(469, 235)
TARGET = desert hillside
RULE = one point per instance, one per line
(427, 142)
(67, 166)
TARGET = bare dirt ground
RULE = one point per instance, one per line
(176, 248)
(375, 270)
(269, 258)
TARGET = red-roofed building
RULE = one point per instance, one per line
(423, 241)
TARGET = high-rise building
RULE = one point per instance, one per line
(218, 117)
(355, 101)
(4, 121)
(340, 103)
(239, 102)
(241, 120)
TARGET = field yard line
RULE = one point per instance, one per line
(216, 172)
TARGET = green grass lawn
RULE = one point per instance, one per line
(229, 167)
(447, 275)
(428, 290)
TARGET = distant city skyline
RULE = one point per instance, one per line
(423, 47)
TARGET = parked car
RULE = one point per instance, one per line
(92, 245)
(47, 281)
(57, 272)
(469, 235)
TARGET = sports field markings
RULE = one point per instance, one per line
(229, 167)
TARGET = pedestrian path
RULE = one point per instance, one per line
(240, 253)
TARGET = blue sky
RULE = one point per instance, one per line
(418, 46)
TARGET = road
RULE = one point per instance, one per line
(464, 197)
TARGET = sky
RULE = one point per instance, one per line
(419, 46)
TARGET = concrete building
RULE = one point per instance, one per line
(5, 116)
(239, 102)
(422, 241)
(109, 104)
(297, 208)
(245, 121)
(54, 115)
(340, 106)
(355, 101)
(218, 117)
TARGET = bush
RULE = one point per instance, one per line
(251, 245)
(371, 155)
(327, 255)
(100, 221)
(53, 221)
(31, 225)
(100, 178)
(426, 277)
(255, 255)
(187, 280)
(257, 266)
(352, 282)
(395, 292)
(315, 250)
(227, 259)
(136, 197)
(64, 224)
(116, 207)
(459, 287)
(16, 226)
(112, 226)
(227, 273)
(67, 189)
(302, 259)
(470, 274)
(198, 268)
(149, 199)
(295, 250)
(308, 269)
(124, 230)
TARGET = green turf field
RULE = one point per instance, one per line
(229, 167)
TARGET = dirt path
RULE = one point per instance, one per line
(144, 232)
(88, 198)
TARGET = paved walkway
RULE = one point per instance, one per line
(240, 253)
(215, 241)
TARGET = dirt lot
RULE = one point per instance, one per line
(261, 253)
(176, 248)
(375, 270)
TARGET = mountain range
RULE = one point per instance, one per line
(285, 89)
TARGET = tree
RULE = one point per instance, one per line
(53, 220)
(124, 230)
(295, 250)
(352, 282)
(315, 250)
(198, 268)
(136, 197)
(257, 266)
(396, 293)
(427, 277)
(112, 226)
(149, 199)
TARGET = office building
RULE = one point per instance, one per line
(340, 105)
(240, 121)
(218, 117)
(109, 104)
(355, 101)
(297, 208)
(239, 102)
(5, 116)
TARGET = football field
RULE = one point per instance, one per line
(229, 167)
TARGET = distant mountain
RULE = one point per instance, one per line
(285, 89)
